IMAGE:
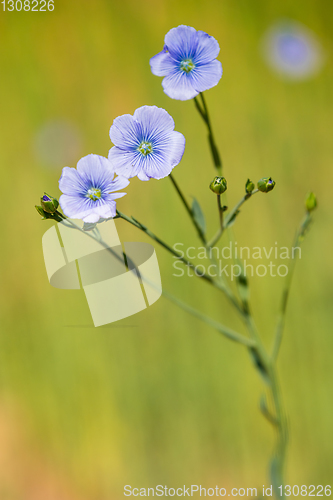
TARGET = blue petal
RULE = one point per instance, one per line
(91, 164)
(177, 147)
(181, 42)
(143, 177)
(125, 132)
(70, 181)
(207, 48)
(113, 196)
(179, 86)
(119, 183)
(207, 76)
(123, 162)
(85, 209)
(74, 206)
(162, 64)
(153, 121)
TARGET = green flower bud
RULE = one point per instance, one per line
(47, 215)
(249, 186)
(266, 184)
(310, 202)
(49, 204)
(40, 211)
(218, 185)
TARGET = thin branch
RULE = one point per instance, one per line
(229, 217)
(188, 209)
(286, 291)
(217, 284)
(227, 332)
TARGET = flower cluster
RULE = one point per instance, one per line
(145, 144)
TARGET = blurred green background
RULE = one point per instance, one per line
(160, 398)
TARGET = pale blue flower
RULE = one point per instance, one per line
(145, 144)
(188, 63)
(292, 50)
(89, 189)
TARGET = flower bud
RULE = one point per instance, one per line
(249, 186)
(266, 184)
(40, 211)
(47, 215)
(218, 185)
(49, 204)
(310, 202)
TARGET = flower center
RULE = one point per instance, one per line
(145, 148)
(187, 65)
(94, 193)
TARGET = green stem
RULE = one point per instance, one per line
(279, 457)
(229, 217)
(218, 284)
(220, 210)
(188, 209)
(203, 111)
(267, 369)
(286, 291)
(227, 332)
(200, 233)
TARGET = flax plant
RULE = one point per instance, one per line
(147, 146)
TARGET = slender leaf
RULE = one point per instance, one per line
(198, 215)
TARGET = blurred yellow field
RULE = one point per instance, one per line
(160, 398)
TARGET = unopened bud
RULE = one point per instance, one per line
(218, 185)
(49, 204)
(249, 186)
(47, 215)
(311, 202)
(266, 184)
(40, 211)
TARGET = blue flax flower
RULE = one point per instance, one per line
(145, 144)
(188, 63)
(89, 189)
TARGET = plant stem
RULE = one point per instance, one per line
(188, 209)
(205, 116)
(285, 294)
(227, 332)
(267, 368)
(221, 286)
(220, 210)
(229, 217)
(278, 460)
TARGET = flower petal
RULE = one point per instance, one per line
(123, 162)
(93, 164)
(74, 206)
(114, 196)
(162, 64)
(179, 86)
(120, 182)
(106, 210)
(177, 147)
(143, 177)
(206, 76)
(124, 132)
(70, 181)
(181, 42)
(156, 165)
(92, 217)
(153, 120)
(207, 48)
